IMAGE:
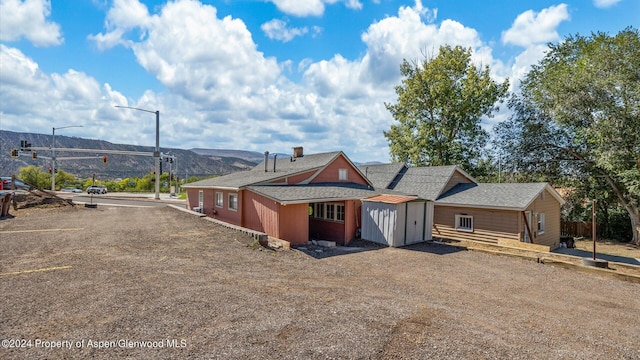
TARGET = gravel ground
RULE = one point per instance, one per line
(160, 283)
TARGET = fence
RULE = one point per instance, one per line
(575, 228)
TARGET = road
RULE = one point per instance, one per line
(122, 199)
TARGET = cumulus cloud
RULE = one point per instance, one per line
(536, 28)
(28, 20)
(311, 7)
(603, 4)
(191, 51)
(277, 30)
(33, 101)
(219, 91)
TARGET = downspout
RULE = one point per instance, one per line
(526, 223)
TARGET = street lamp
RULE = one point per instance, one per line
(53, 154)
(156, 152)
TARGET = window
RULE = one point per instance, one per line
(339, 212)
(329, 211)
(219, 199)
(200, 199)
(464, 222)
(233, 202)
(319, 210)
(342, 174)
(541, 223)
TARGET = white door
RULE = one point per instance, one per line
(415, 221)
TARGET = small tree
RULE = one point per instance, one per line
(440, 105)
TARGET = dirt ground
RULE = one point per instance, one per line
(159, 283)
(609, 247)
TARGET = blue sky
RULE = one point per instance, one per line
(257, 75)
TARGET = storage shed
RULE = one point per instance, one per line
(396, 220)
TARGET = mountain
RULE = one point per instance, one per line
(252, 156)
(189, 163)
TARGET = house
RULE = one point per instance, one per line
(465, 209)
(296, 199)
(326, 197)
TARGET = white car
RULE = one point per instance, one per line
(71, 190)
(97, 189)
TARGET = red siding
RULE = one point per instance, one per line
(330, 173)
(326, 230)
(294, 223)
(352, 219)
(260, 213)
(299, 178)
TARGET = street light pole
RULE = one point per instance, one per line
(53, 154)
(156, 152)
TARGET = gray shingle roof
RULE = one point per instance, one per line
(291, 194)
(381, 175)
(284, 167)
(426, 182)
(509, 196)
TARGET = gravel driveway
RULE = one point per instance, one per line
(159, 283)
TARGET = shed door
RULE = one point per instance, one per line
(415, 219)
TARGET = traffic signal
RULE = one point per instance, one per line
(50, 170)
(104, 159)
(14, 153)
(34, 155)
(160, 167)
(24, 145)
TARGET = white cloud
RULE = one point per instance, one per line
(221, 92)
(28, 19)
(191, 51)
(531, 28)
(311, 7)
(603, 4)
(277, 30)
(36, 101)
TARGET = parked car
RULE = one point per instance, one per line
(97, 189)
(71, 190)
(6, 184)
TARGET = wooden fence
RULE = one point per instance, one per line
(575, 229)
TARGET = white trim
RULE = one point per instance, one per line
(458, 225)
(541, 219)
(200, 199)
(343, 174)
(221, 205)
(229, 201)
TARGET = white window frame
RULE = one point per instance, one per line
(200, 199)
(541, 223)
(343, 175)
(230, 202)
(219, 199)
(321, 211)
(464, 222)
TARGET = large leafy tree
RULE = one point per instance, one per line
(578, 116)
(441, 101)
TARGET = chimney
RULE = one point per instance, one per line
(266, 161)
(274, 162)
(297, 152)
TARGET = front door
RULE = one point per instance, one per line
(526, 237)
(415, 219)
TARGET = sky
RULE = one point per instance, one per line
(259, 75)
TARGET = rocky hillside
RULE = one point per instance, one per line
(118, 166)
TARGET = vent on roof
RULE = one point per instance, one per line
(266, 161)
(297, 152)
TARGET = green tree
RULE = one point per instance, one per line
(63, 179)
(578, 117)
(33, 175)
(440, 105)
